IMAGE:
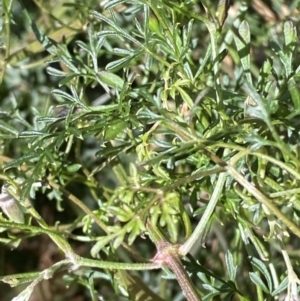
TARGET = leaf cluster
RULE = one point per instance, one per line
(155, 111)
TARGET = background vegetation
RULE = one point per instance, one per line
(160, 129)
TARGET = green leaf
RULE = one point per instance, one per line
(185, 97)
(4, 126)
(111, 79)
(290, 35)
(117, 29)
(49, 44)
(123, 215)
(243, 46)
(31, 134)
(264, 270)
(17, 162)
(222, 11)
(295, 93)
(118, 240)
(118, 64)
(137, 228)
(211, 289)
(230, 266)
(55, 72)
(63, 94)
(101, 243)
(114, 129)
(112, 3)
(281, 287)
(257, 281)
(74, 167)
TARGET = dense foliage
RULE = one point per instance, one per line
(160, 129)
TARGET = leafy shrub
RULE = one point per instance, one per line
(149, 135)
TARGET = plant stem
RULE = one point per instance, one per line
(57, 239)
(292, 276)
(169, 255)
(76, 260)
(86, 262)
(186, 247)
(182, 277)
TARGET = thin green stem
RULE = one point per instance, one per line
(19, 278)
(186, 247)
(58, 239)
(292, 276)
(283, 193)
(157, 57)
(246, 151)
(75, 259)
(86, 262)
(188, 179)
